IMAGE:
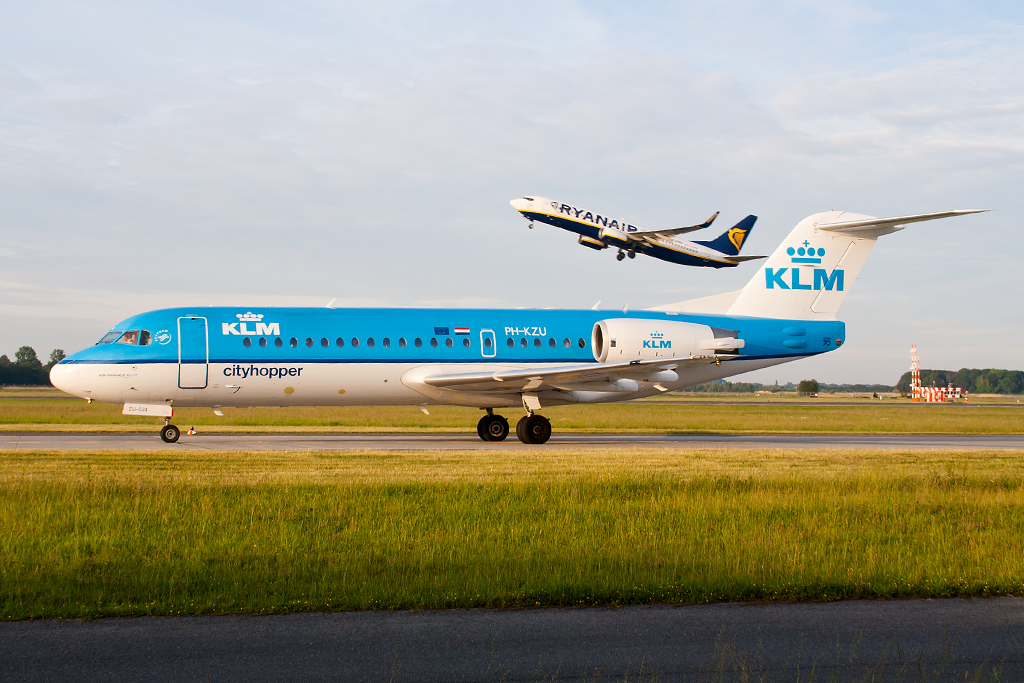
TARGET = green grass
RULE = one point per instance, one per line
(99, 534)
(69, 415)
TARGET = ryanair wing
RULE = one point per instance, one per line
(650, 236)
(589, 377)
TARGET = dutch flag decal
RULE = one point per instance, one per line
(461, 330)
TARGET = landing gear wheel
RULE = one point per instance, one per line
(533, 429)
(492, 428)
(632, 254)
(170, 433)
(621, 255)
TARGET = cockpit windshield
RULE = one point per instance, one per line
(110, 336)
(129, 337)
(145, 337)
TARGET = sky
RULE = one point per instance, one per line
(156, 154)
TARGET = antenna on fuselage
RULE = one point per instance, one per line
(596, 306)
(330, 304)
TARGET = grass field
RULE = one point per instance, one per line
(113, 533)
(866, 417)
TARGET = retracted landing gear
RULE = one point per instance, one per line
(533, 429)
(492, 427)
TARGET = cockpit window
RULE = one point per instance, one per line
(110, 336)
(129, 337)
(145, 338)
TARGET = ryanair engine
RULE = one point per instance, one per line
(621, 339)
(614, 237)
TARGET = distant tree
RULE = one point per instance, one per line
(807, 387)
(56, 356)
(4, 361)
(26, 357)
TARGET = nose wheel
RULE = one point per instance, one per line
(492, 428)
(170, 433)
(533, 429)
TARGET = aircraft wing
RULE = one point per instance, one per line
(741, 259)
(591, 376)
(854, 227)
(648, 235)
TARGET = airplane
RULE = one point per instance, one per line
(600, 232)
(221, 357)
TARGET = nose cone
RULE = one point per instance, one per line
(522, 204)
(68, 378)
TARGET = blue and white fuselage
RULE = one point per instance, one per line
(221, 357)
(597, 231)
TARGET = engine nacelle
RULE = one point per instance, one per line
(614, 237)
(592, 243)
(620, 339)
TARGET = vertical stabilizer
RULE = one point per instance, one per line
(731, 241)
(808, 276)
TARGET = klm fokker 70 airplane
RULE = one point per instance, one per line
(600, 232)
(221, 357)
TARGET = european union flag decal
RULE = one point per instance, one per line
(441, 331)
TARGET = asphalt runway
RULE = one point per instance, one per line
(840, 640)
(151, 441)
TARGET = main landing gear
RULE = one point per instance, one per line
(622, 254)
(532, 429)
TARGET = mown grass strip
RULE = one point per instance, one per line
(100, 534)
(24, 414)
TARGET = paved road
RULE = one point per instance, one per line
(48, 440)
(843, 638)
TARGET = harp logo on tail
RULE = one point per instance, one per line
(736, 236)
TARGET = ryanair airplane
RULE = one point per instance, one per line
(600, 232)
(489, 359)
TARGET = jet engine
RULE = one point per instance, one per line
(614, 236)
(620, 339)
(593, 244)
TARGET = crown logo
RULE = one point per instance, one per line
(656, 335)
(249, 316)
(806, 253)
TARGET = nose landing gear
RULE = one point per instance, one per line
(621, 255)
(170, 433)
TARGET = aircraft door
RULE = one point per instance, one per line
(488, 347)
(193, 353)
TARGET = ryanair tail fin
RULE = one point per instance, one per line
(731, 241)
(808, 275)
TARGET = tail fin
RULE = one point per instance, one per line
(808, 276)
(731, 241)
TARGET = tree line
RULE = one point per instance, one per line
(975, 381)
(26, 369)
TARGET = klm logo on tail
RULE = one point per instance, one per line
(805, 255)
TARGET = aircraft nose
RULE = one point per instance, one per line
(68, 378)
(521, 204)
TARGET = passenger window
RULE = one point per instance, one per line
(448, 342)
(278, 342)
(386, 342)
(263, 342)
(247, 342)
(567, 343)
(110, 337)
(294, 343)
(324, 343)
(355, 342)
(129, 337)
(511, 342)
(144, 338)
(465, 342)
(487, 342)
(369, 342)
(536, 342)
(340, 342)
(582, 343)
(523, 342)
(309, 342)
(433, 343)
(401, 342)
(418, 342)
(551, 342)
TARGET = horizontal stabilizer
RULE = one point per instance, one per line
(854, 227)
(741, 259)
